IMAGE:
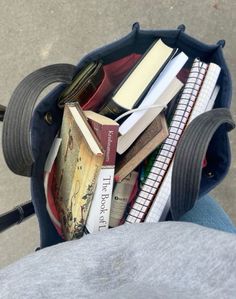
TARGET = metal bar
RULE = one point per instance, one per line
(16, 216)
(2, 112)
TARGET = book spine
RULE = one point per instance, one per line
(99, 213)
(112, 109)
(120, 198)
(163, 160)
(108, 136)
(98, 219)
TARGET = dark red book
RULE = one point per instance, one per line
(106, 131)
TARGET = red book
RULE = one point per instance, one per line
(106, 131)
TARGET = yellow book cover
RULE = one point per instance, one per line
(78, 163)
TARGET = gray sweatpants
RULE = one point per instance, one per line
(163, 260)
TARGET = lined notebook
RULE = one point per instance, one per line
(161, 204)
(163, 160)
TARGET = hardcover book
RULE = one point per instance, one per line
(136, 84)
(165, 78)
(83, 85)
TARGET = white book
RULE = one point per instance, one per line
(99, 213)
(205, 102)
(159, 86)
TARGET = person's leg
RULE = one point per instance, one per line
(208, 213)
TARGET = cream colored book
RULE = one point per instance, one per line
(78, 164)
(135, 85)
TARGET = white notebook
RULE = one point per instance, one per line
(163, 160)
(205, 102)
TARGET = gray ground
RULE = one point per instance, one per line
(36, 33)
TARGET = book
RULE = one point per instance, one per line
(78, 164)
(125, 140)
(120, 198)
(84, 85)
(163, 160)
(131, 198)
(171, 70)
(106, 131)
(144, 145)
(205, 102)
(136, 84)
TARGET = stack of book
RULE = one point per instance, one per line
(114, 164)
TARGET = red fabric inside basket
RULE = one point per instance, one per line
(51, 206)
(114, 73)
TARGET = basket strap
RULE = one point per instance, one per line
(189, 156)
(16, 139)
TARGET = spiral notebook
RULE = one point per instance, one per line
(161, 204)
(163, 160)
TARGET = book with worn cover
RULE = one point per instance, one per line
(131, 91)
(143, 146)
(121, 197)
(106, 130)
(78, 164)
(84, 84)
(133, 131)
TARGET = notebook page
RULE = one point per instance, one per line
(163, 159)
(205, 102)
